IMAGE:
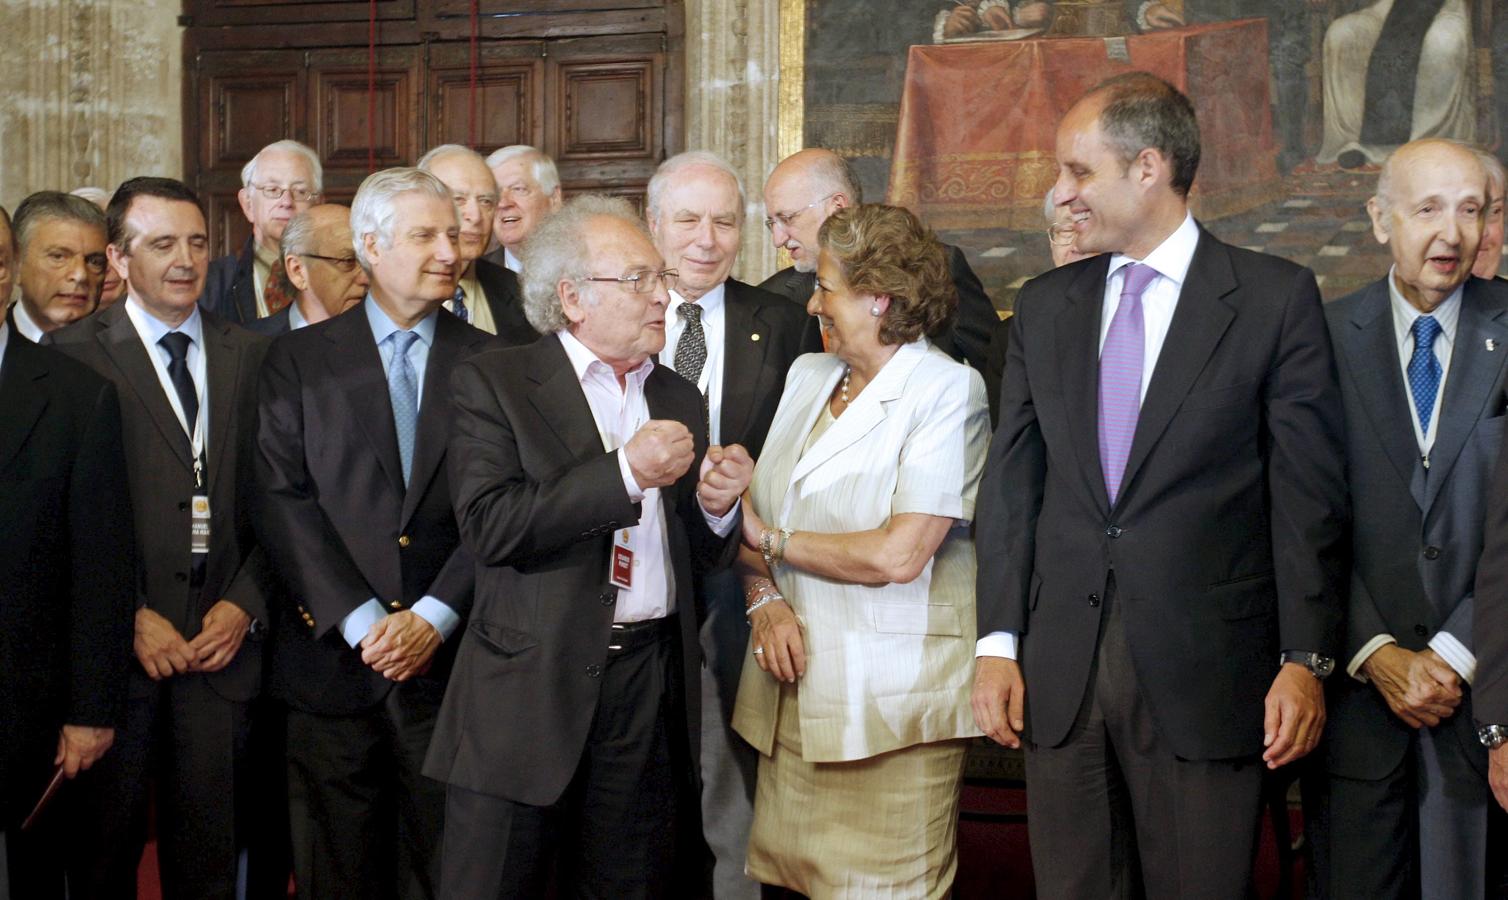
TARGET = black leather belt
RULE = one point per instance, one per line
(627, 637)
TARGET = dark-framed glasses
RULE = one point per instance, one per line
(642, 282)
(343, 263)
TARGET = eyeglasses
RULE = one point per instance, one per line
(785, 219)
(345, 264)
(1061, 234)
(300, 193)
(62, 259)
(642, 282)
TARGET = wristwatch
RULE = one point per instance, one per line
(1492, 736)
(1318, 666)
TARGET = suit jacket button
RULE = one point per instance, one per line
(1094, 599)
(607, 598)
(593, 670)
(1421, 630)
(403, 540)
(180, 576)
(1113, 532)
(396, 604)
(1431, 552)
(182, 505)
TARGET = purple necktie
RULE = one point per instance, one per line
(1120, 377)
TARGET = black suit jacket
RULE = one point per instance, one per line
(966, 340)
(538, 499)
(505, 298)
(159, 461)
(334, 514)
(230, 288)
(1227, 541)
(67, 571)
(762, 335)
(273, 325)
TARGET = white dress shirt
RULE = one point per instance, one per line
(4, 339)
(1159, 300)
(152, 330)
(296, 319)
(431, 609)
(711, 381)
(1448, 313)
(619, 411)
(512, 262)
(25, 324)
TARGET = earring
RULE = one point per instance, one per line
(875, 311)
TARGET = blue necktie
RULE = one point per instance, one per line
(1424, 369)
(403, 388)
(458, 305)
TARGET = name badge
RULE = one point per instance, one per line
(199, 524)
(621, 572)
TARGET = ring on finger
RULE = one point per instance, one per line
(758, 651)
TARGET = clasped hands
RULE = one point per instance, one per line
(1420, 688)
(163, 652)
(400, 645)
(662, 450)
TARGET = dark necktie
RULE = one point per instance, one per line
(1121, 367)
(691, 349)
(177, 344)
(1424, 370)
(458, 304)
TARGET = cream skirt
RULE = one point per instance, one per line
(883, 827)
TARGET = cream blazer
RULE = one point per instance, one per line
(891, 665)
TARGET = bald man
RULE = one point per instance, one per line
(810, 185)
(320, 268)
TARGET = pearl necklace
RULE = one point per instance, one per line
(843, 391)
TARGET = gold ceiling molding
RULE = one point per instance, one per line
(789, 120)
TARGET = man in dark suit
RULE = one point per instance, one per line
(356, 515)
(60, 262)
(806, 188)
(574, 466)
(1490, 625)
(1406, 800)
(187, 386)
(69, 591)
(735, 343)
(487, 295)
(281, 181)
(320, 270)
(1153, 540)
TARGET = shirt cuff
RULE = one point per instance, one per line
(359, 621)
(720, 525)
(1353, 668)
(630, 484)
(1455, 654)
(998, 643)
(435, 611)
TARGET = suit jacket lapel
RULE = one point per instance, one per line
(1200, 320)
(354, 360)
(1077, 330)
(1474, 370)
(743, 360)
(866, 411)
(451, 339)
(222, 364)
(1372, 358)
(560, 401)
(123, 345)
(21, 399)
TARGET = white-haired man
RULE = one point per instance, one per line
(487, 295)
(576, 462)
(528, 187)
(1490, 250)
(356, 514)
(734, 342)
(281, 181)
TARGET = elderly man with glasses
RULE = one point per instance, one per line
(281, 181)
(61, 262)
(320, 270)
(812, 184)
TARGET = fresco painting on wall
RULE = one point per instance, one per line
(950, 108)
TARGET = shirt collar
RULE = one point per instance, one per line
(584, 361)
(296, 319)
(710, 302)
(1172, 258)
(512, 262)
(382, 326)
(25, 324)
(264, 256)
(1404, 312)
(152, 328)
(4, 340)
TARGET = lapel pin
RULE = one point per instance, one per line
(755, 337)
(1491, 345)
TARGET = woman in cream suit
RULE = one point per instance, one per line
(859, 579)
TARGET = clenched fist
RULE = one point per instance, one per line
(659, 453)
(725, 474)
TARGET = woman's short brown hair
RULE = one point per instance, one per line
(887, 250)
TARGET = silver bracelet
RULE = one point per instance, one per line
(764, 598)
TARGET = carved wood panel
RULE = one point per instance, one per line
(339, 110)
(249, 103)
(509, 103)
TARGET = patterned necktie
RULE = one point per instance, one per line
(272, 293)
(1424, 369)
(1121, 363)
(458, 305)
(403, 388)
(177, 344)
(691, 349)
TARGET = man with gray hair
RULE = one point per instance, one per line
(1490, 250)
(1422, 372)
(320, 270)
(282, 180)
(61, 262)
(810, 185)
(356, 513)
(528, 190)
(571, 716)
(487, 295)
(734, 342)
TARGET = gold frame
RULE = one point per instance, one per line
(790, 118)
